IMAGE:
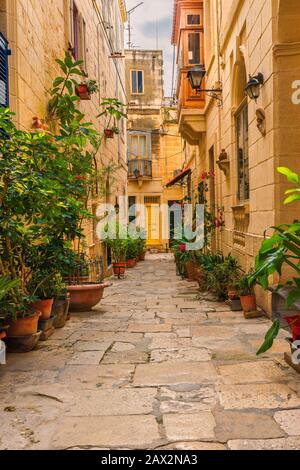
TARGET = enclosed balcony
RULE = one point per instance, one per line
(139, 168)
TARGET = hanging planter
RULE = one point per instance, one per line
(85, 89)
(109, 133)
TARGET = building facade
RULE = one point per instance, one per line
(240, 139)
(155, 149)
(38, 32)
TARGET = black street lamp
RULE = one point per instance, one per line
(196, 76)
(253, 86)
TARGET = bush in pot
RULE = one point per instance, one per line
(118, 246)
(244, 288)
(221, 273)
(132, 252)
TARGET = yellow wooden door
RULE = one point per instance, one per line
(153, 225)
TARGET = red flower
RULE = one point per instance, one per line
(204, 176)
(218, 223)
(182, 247)
(80, 178)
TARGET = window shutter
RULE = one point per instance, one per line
(71, 33)
(82, 40)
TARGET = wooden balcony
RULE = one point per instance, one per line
(139, 168)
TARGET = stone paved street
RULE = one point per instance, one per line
(153, 367)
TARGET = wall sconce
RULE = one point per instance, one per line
(223, 162)
(196, 76)
(253, 86)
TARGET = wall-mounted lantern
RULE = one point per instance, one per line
(196, 76)
(253, 86)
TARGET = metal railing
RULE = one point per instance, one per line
(139, 168)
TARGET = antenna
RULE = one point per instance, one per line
(129, 29)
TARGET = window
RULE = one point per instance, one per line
(138, 147)
(137, 82)
(132, 212)
(193, 20)
(194, 48)
(77, 32)
(243, 153)
(4, 53)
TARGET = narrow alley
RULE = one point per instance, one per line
(153, 367)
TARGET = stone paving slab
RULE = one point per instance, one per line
(135, 432)
(182, 427)
(290, 443)
(289, 421)
(175, 373)
(261, 396)
(113, 402)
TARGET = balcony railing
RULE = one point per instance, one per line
(139, 168)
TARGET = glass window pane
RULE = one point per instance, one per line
(194, 48)
(143, 146)
(140, 79)
(134, 147)
(193, 19)
(133, 82)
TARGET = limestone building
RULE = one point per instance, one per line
(241, 139)
(37, 32)
(155, 148)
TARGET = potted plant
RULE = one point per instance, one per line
(132, 252)
(109, 133)
(118, 247)
(41, 286)
(221, 272)
(86, 88)
(247, 296)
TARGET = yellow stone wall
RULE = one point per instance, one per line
(38, 33)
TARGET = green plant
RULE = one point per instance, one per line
(118, 244)
(91, 85)
(220, 274)
(132, 250)
(243, 286)
(281, 249)
(6, 285)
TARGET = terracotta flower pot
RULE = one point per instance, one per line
(24, 326)
(109, 133)
(248, 303)
(2, 334)
(83, 92)
(119, 268)
(84, 297)
(131, 263)
(45, 307)
(294, 324)
(190, 270)
(143, 256)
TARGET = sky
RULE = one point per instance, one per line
(152, 16)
